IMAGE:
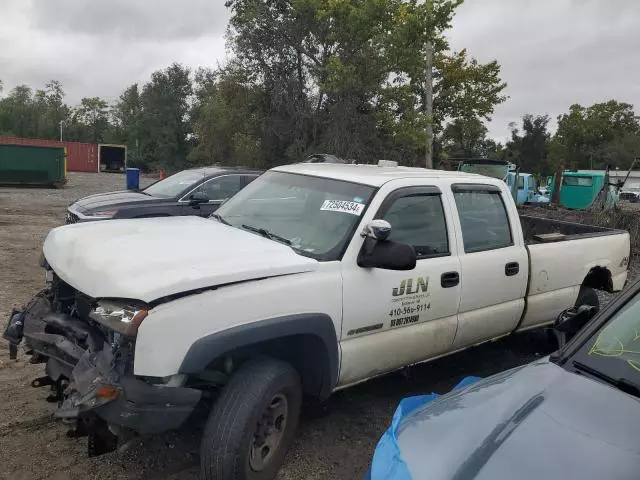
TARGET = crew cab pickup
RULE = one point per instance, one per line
(313, 278)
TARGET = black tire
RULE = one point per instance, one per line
(229, 436)
(587, 296)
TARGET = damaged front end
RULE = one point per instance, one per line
(88, 348)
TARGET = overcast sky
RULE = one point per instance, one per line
(553, 53)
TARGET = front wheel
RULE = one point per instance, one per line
(252, 424)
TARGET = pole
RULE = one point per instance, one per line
(61, 130)
(557, 186)
(428, 84)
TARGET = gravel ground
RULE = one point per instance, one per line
(335, 440)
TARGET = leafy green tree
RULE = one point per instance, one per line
(530, 149)
(228, 118)
(164, 121)
(17, 112)
(34, 115)
(346, 76)
(52, 110)
(494, 150)
(464, 138)
(89, 122)
(604, 133)
(127, 123)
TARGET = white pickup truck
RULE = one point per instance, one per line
(313, 278)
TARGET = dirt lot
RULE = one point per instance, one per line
(335, 441)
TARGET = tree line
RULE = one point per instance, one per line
(602, 135)
(338, 76)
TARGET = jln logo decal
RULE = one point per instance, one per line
(410, 299)
(406, 287)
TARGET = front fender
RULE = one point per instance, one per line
(176, 329)
(310, 325)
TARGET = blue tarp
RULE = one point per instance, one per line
(387, 463)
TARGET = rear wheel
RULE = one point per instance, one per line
(252, 424)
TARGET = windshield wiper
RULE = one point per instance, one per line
(267, 234)
(219, 218)
(621, 384)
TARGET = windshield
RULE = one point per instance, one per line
(174, 185)
(315, 216)
(614, 350)
(494, 170)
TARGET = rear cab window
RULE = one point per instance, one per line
(484, 220)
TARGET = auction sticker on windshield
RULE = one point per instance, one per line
(343, 206)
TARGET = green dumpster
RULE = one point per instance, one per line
(31, 165)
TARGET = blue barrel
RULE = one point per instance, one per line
(133, 178)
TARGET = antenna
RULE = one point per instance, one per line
(629, 172)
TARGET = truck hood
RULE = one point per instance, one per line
(147, 259)
(536, 422)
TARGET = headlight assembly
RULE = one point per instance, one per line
(124, 319)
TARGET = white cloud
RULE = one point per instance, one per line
(554, 53)
(98, 48)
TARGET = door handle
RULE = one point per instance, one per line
(511, 269)
(449, 279)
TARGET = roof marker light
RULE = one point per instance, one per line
(387, 163)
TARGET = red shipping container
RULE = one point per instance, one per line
(81, 157)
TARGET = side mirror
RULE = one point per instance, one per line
(197, 198)
(377, 229)
(388, 255)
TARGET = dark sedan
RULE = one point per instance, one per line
(575, 414)
(198, 191)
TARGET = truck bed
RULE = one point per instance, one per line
(538, 230)
(557, 269)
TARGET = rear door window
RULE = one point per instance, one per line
(483, 218)
(223, 187)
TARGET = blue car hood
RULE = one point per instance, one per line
(535, 422)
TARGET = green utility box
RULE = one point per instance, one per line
(30, 165)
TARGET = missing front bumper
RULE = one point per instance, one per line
(149, 409)
(81, 364)
(137, 405)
